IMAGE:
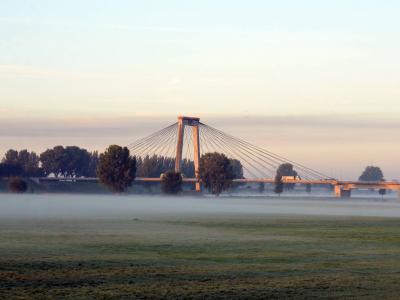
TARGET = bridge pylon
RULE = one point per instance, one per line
(194, 123)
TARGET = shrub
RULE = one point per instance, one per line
(171, 182)
(17, 185)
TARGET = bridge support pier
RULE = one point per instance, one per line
(342, 192)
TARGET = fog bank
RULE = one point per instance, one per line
(105, 206)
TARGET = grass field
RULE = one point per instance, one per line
(200, 258)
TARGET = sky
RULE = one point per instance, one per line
(315, 81)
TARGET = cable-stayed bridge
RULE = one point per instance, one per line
(188, 138)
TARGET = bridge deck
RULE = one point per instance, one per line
(345, 184)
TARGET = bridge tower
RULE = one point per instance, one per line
(194, 123)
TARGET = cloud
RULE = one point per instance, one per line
(142, 125)
(82, 127)
(326, 121)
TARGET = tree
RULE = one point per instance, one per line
(382, 192)
(28, 161)
(69, 161)
(171, 182)
(278, 189)
(372, 173)
(237, 168)
(93, 163)
(53, 161)
(285, 169)
(17, 185)
(8, 170)
(11, 157)
(75, 161)
(117, 168)
(216, 172)
(154, 166)
(187, 167)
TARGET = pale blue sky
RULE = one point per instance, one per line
(90, 61)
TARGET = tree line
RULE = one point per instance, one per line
(116, 168)
(73, 161)
(59, 161)
(155, 165)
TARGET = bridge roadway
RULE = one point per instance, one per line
(342, 188)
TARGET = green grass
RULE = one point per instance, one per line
(228, 258)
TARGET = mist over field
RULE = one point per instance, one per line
(127, 206)
(60, 246)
